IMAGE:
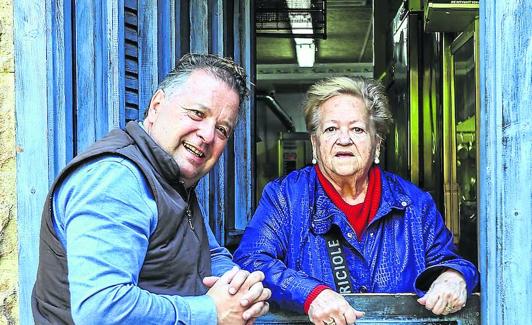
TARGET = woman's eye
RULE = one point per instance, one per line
(330, 129)
(358, 130)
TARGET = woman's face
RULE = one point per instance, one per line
(345, 142)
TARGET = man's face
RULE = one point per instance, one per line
(194, 124)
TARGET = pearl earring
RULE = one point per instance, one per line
(376, 161)
(314, 161)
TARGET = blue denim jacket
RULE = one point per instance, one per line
(403, 249)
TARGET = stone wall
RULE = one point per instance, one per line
(8, 203)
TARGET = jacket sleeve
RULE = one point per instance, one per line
(440, 251)
(265, 246)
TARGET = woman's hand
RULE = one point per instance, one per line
(331, 308)
(447, 294)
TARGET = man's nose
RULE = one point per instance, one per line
(206, 131)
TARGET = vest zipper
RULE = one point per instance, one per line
(188, 212)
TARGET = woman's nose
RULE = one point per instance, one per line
(344, 137)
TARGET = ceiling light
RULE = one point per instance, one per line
(305, 52)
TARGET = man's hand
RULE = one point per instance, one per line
(240, 287)
(330, 307)
(447, 294)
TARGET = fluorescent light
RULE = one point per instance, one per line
(301, 23)
(305, 52)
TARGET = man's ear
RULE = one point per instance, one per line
(156, 100)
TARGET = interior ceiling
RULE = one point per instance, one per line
(348, 48)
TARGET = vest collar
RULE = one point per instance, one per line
(163, 163)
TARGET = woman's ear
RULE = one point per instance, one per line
(314, 148)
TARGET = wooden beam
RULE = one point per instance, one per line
(505, 201)
(148, 45)
(32, 32)
(386, 309)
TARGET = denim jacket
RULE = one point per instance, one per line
(403, 249)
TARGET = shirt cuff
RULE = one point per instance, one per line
(202, 310)
(313, 294)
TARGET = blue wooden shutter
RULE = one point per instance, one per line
(131, 58)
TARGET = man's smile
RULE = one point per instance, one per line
(195, 151)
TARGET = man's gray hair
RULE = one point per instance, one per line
(224, 69)
(370, 91)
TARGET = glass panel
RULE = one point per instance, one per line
(466, 158)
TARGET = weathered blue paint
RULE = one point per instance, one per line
(505, 143)
(218, 176)
(166, 36)
(199, 43)
(244, 143)
(86, 69)
(148, 64)
(182, 32)
(99, 84)
(60, 95)
(32, 34)
(199, 27)
(49, 131)
(112, 110)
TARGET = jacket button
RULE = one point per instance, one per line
(363, 289)
(371, 235)
(350, 234)
(403, 203)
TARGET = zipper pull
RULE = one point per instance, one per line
(189, 217)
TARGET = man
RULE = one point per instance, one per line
(123, 240)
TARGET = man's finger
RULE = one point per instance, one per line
(264, 311)
(237, 281)
(253, 278)
(255, 310)
(209, 281)
(228, 276)
(252, 295)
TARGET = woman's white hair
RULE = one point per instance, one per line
(370, 91)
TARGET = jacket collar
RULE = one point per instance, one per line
(324, 213)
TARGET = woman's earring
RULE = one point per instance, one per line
(376, 161)
(314, 161)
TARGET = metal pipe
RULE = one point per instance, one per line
(278, 111)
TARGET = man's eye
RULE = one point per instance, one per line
(223, 131)
(197, 115)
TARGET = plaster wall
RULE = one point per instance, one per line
(8, 203)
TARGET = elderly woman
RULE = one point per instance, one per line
(345, 225)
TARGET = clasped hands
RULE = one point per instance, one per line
(239, 296)
(446, 295)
